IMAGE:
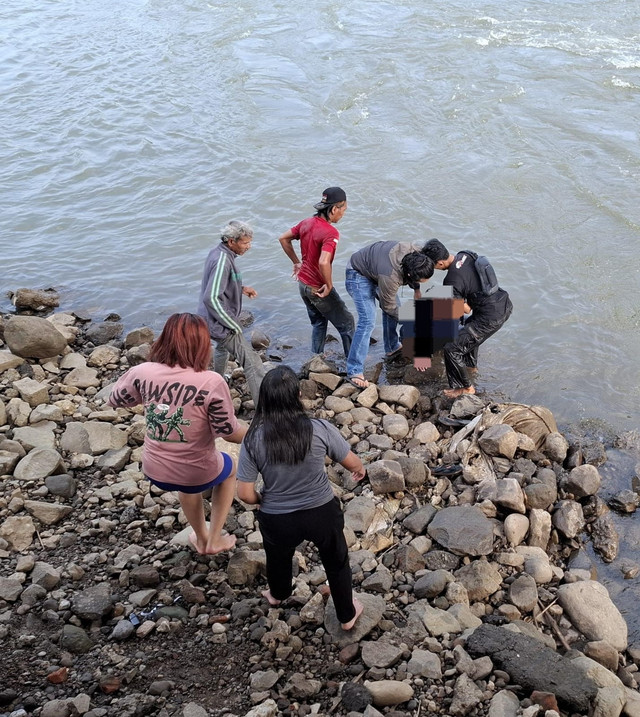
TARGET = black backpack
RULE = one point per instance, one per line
(486, 273)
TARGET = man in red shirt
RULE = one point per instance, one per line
(318, 240)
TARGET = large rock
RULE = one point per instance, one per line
(38, 464)
(75, 639)
(101, 333)
(32, 391)
(389, 692)
(9, 360)
(47, 513)
(93, 437)
(406, 396)
(385, 477)
(94, 603)
(245, 565)
(359, 513)
(588, 605)
(499, 440)
(533, 665)
(374, 607)
(583, 481)
(395, 425)
(18, 531)
(463, 530)
(568, 518)
(480, 578)
(33, 337)
(39, 435)
(378, 653)
(82, 377)
(36, 299)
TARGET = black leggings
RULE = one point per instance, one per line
(323, 526)
(463, 352)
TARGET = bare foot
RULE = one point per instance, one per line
(359, 608)
(358, 381)
(223, 543)
(199, 547)
(455, 392)
(270, 599)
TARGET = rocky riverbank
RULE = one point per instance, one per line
(466, 549)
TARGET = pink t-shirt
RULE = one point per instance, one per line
(185, 411)
(316, 235)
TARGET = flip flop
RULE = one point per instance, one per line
(394, 354)
(448, 471)
(352, 380)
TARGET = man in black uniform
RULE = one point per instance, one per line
(489, 303)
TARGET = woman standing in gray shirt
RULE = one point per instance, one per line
(297, 503)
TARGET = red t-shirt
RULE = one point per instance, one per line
(316, 235)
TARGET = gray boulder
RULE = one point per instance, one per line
(588, 605)
(463, 530)
(33, 337)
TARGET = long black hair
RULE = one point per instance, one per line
(286, 429)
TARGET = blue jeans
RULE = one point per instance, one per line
(321, 311)
(364, 294)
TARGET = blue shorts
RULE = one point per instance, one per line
(227, 468)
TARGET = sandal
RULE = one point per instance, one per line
(358, 381)
(394, 354)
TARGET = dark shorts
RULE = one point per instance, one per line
(227, 468)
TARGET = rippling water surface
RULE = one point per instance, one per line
(133, 130)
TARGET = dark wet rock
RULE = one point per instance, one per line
(355, 697)
(540, 495)
(145, 576)
(102, 333)
(63, 485)
(75, 639)
(137, 337)
(626, 501)
(533, 665)
(94, 603)
(464, 530)
(466, 406)
(441, 560)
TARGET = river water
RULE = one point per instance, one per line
(132, 131)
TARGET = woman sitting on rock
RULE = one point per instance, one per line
(186, 408)
(297, 502)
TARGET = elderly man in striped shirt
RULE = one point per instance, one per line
(221, 304)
